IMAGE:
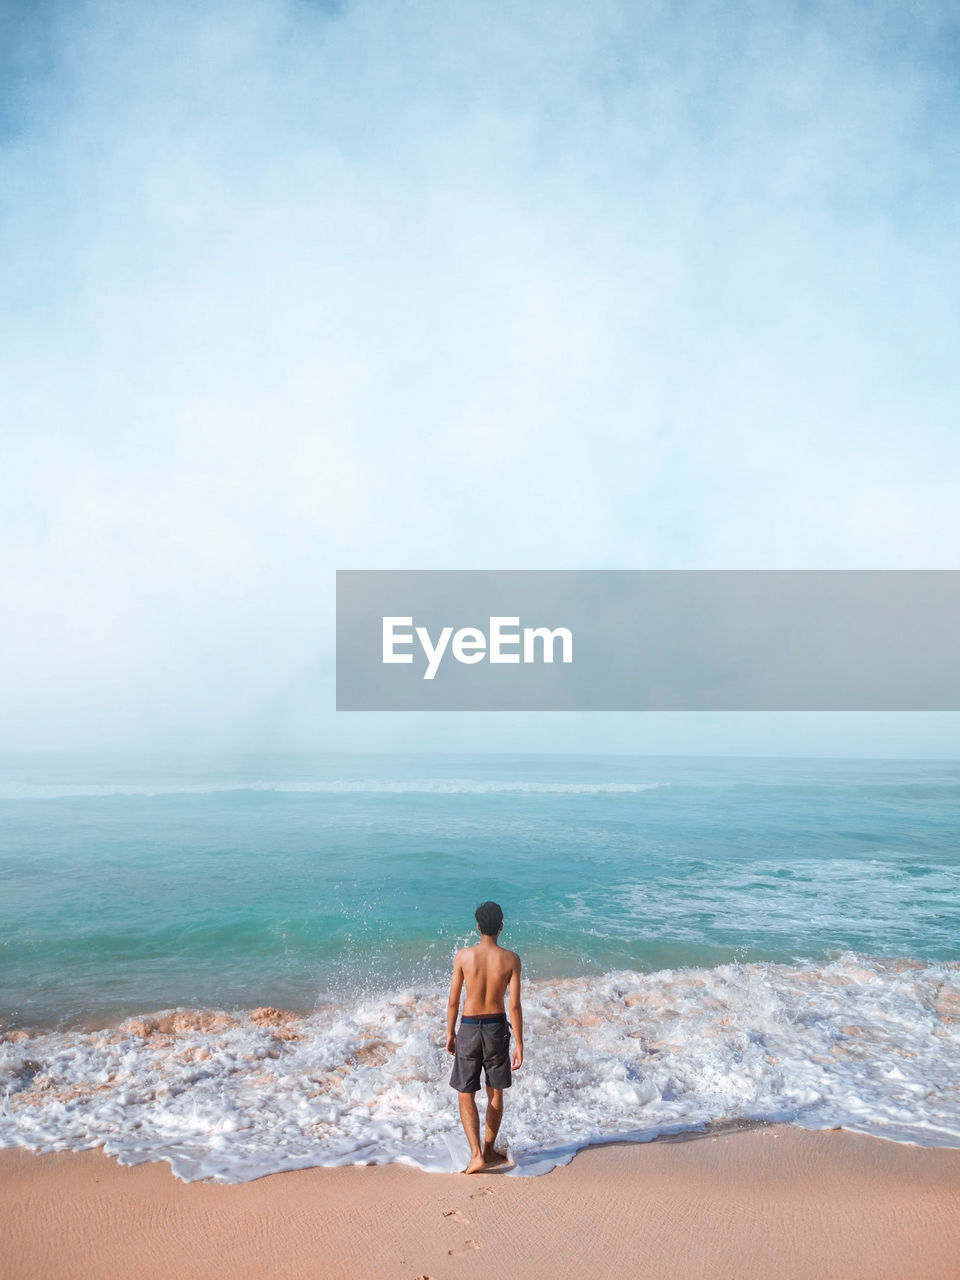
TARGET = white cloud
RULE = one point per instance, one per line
(294, 289)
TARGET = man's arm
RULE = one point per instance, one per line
(453, 1004)
(516, 1014)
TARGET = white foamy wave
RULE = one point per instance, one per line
(869, 1044)
(373, 786)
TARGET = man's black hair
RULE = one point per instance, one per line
(489, 918)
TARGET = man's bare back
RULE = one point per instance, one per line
(488, 971)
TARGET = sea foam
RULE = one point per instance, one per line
(338, 786)
(872, 1044)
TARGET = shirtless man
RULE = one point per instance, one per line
(484, 1035)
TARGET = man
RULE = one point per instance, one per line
(483, 1039)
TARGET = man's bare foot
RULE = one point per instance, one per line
(492, 1156)
(475, 1165)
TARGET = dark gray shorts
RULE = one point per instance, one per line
(483, 1044)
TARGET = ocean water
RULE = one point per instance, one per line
(240, 964)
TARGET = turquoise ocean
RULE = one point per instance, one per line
(240, 964)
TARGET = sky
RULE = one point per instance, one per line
(287, 288)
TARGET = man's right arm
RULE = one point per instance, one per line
(516, 1014)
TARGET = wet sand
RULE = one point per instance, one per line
(771, 1203)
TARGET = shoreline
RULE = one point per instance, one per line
(621, 1058)
(774, 1202)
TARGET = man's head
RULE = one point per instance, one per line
(489, 918)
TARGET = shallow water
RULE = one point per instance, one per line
(872, 1045)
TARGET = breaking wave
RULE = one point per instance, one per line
(371, 786)
(872, 1044)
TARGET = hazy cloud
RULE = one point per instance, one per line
(291, 287)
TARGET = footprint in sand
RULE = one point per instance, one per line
(465, 1247)
(484, 1191)
(456, 1215)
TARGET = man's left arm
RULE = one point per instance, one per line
(453, 1004)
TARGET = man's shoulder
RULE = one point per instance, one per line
(511, 955)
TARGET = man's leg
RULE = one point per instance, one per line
(470, 1120)
(492, 1128)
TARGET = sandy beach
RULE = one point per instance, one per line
(775, 1203)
